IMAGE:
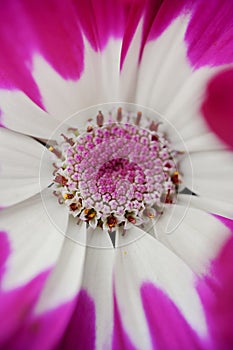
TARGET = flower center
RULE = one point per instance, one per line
(117, 173)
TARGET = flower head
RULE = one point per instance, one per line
(115, 174)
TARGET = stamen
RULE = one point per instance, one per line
(168, 199)
(119, 115)
(111, 222)
(89, 214)
(138, 119)
(69, 140)
(73, 206)
(131, 219)
(68, 196)
(154, 126)
(175, 178)
(100, 119)
(60, 180)
(89, 128)
(55, 151)
(150, 214)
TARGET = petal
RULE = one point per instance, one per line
(216, 294)
(129, 67)
(5, 251)
(208, 204)
(120, 339)
(21, 114)
(31, 29)
(103, 19)
(66, 278)
(153, 90)
(183, 111)
(179, 101)
(58, 302)
(17, 303)
(217, 107)
(165, 52)
(213, 46)
(159, 16)
(79, 314)
(98, 281)
(32, 237)
(195, 236)
(34, 246)
(48, 28)
(179, 334)
(97, 287)
(209, 34)
(81, 270)
(57, 45)
(101, 69)
(211, 176)
(19, 167)
(147, 260)
(77, 295)
(83, 320)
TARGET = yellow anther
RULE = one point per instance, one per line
(89, 214)
(68, 196)
(175, 178)
(51, 149)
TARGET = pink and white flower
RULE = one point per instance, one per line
(167, 280)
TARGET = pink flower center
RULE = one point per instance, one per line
(117, 172)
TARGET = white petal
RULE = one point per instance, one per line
(21, 114)
(20, 158)
(97, 280)
(192, 129)
(193, 235)
(172, 88)
(123, 238)
(210, 205)
(99, 239)
(83, 266)
(147, 260)
(76, 232)
(66, 279)
(96, 238)
(63, 98)
(129, 72)
(163, 67)
(35, 243)
(58, 300)
(57, 213)
(212, 174)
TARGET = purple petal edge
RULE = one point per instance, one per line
(167, 326)
(120, 339)
(15, 304)
(69, 326)
(216, 292)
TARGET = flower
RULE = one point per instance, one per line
(166, 281)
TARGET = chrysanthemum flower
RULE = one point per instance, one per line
(116, 174)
